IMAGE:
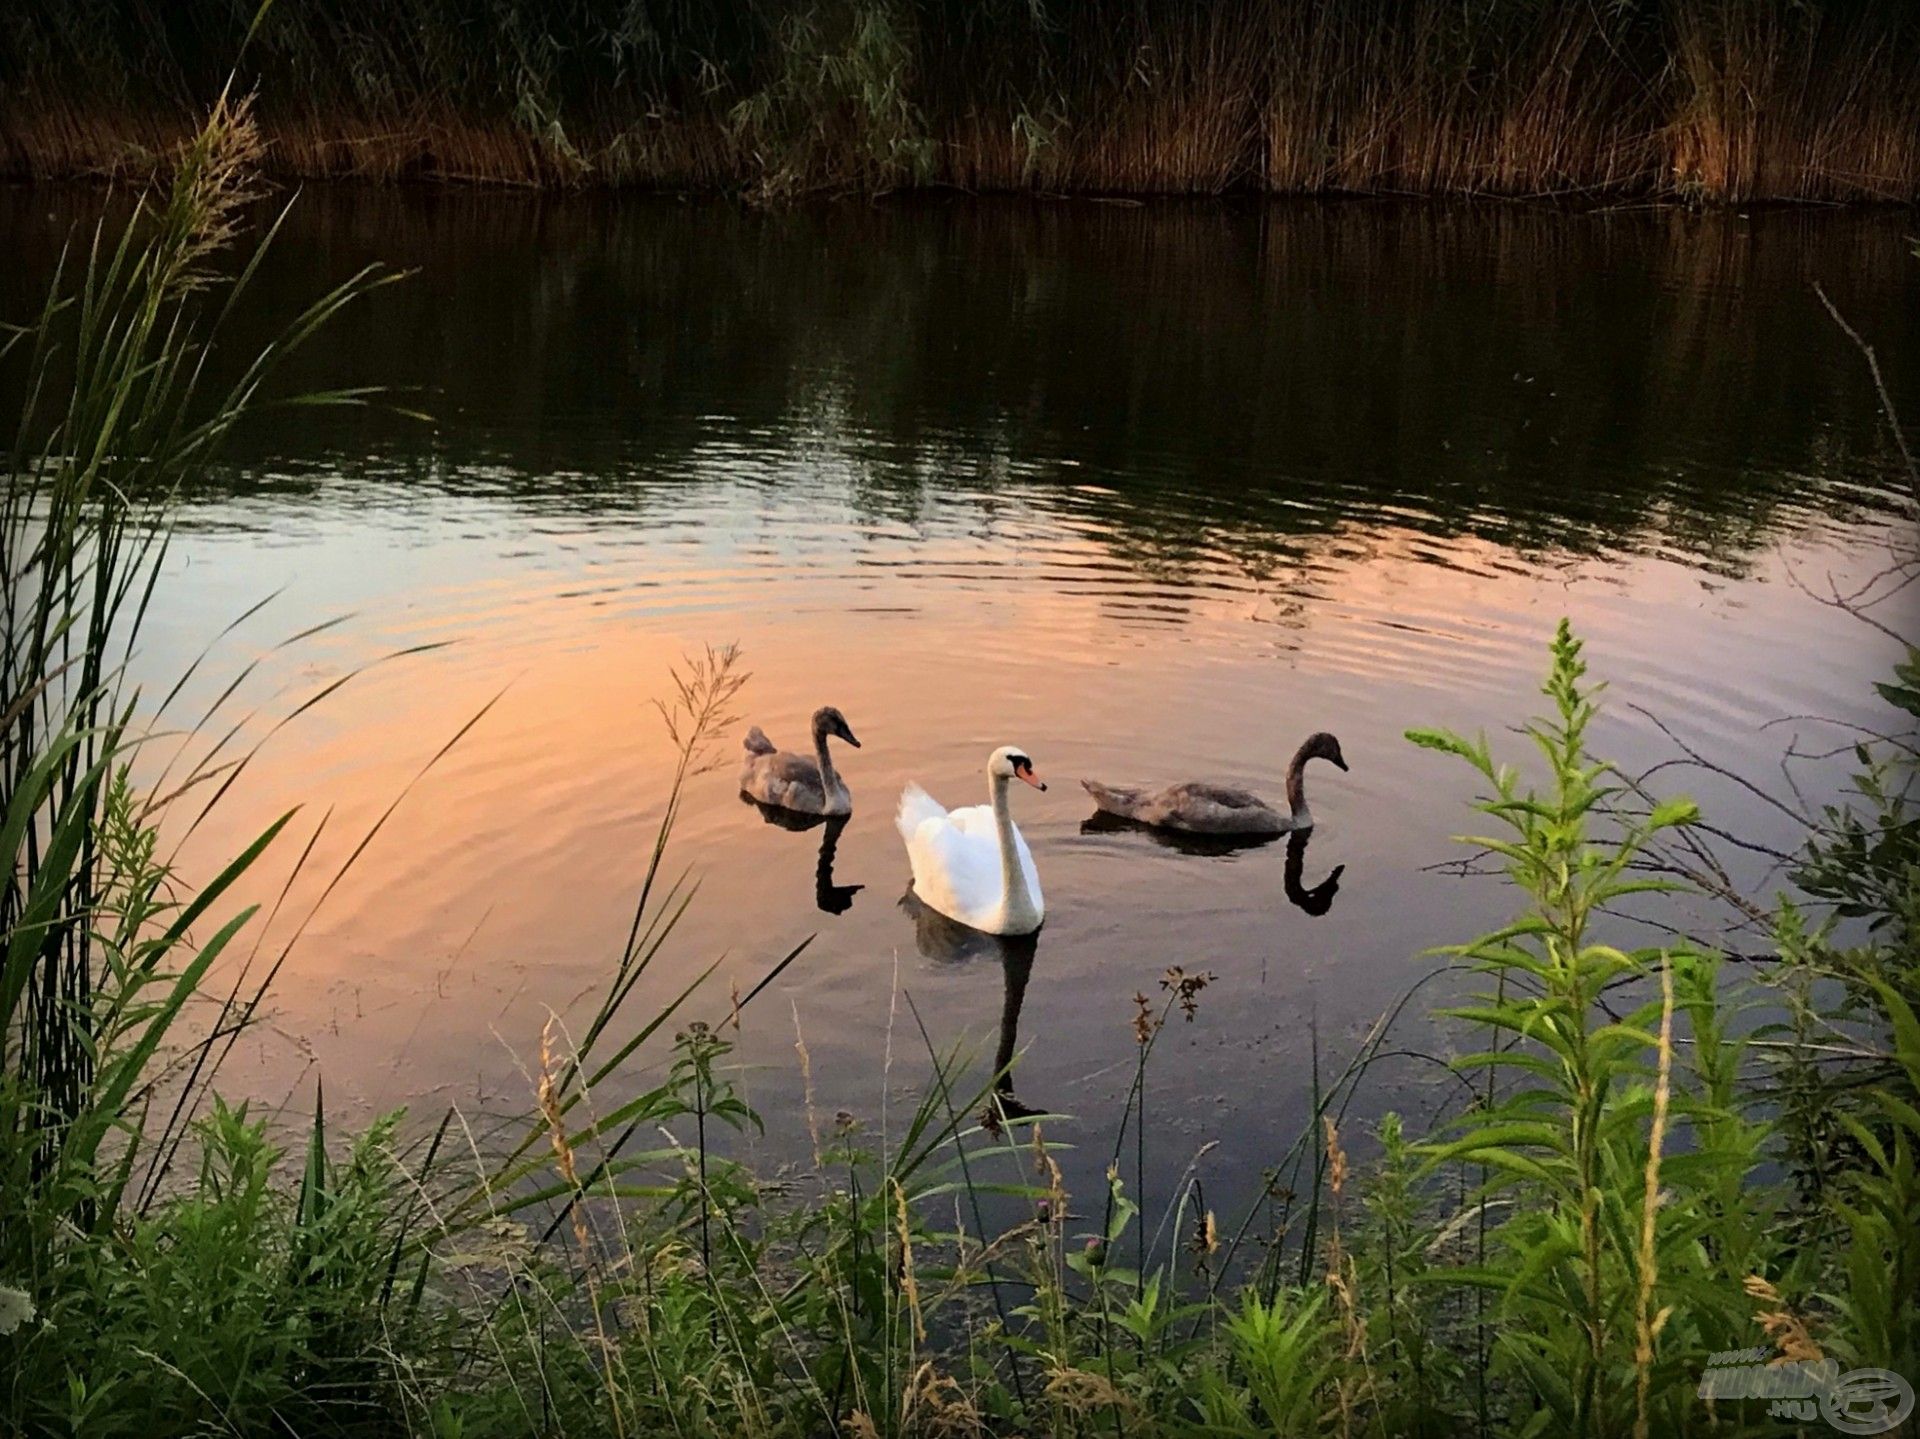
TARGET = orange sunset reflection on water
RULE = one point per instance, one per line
(500, 887)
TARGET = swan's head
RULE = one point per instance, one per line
(1011, 762)
(1322, 746)
(828, 720)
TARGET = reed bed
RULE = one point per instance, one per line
(1725, 100)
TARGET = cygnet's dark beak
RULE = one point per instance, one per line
(847, 735)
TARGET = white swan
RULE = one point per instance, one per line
(972, 864)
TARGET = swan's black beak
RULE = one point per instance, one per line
(1341, 761)
(847, 735)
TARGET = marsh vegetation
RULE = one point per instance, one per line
(1704, 99)
(1629, 1174)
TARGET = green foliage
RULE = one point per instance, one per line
(1865, 861)
(1416, 1341)
(242, 1304)
(1563, 1124)
(1847, 1060)
(1879, 1208)
(837, 111)
(1287, 1358)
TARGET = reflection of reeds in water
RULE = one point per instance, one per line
(1656, 381)
(1725, 98)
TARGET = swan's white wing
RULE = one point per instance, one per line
(955, 872)
(976, 823)
(976, 820)
(916, 808)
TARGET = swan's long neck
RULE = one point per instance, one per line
(1013, 877)
(1297, 790)
(829, 778)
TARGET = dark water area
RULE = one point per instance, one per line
(1151, 491)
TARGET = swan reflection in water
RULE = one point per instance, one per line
(1318, 900)
(1315, 901)
(947, 941)
(830, 897)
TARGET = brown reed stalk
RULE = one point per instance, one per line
(909, 1282)
(1650, 1323)
(549, 1100)
(1343, 1280)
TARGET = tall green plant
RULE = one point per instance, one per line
(98, 956)
(1605, 1265)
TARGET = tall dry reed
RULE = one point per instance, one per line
(1706, 99)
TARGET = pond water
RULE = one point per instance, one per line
(1152, 491)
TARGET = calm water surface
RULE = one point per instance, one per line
(1152, 492)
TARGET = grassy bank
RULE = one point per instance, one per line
(1627, 1179)
(1707, 99)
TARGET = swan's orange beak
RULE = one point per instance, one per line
(1026, 773)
